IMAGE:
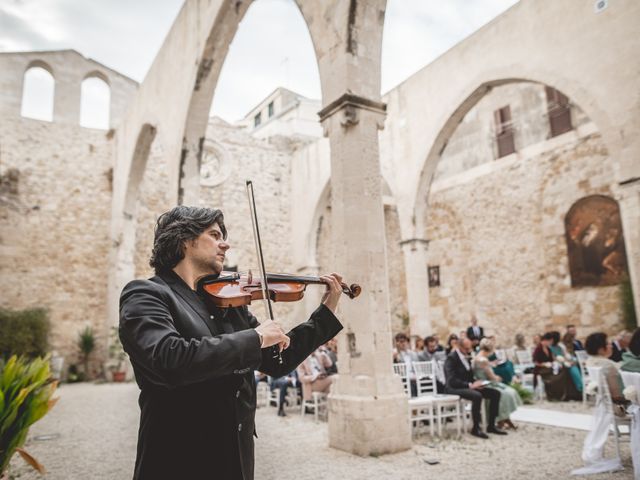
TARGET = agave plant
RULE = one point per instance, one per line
(26, 388)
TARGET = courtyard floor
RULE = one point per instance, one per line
(91, 434)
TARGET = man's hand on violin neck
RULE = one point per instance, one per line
(334, 291)
(273, 334)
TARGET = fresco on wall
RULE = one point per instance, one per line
(595, 243)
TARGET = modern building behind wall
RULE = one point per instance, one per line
(514, 219)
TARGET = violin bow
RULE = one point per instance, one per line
(263, 272)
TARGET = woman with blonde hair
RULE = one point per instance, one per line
(509, 399)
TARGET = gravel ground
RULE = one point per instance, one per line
(91, 434)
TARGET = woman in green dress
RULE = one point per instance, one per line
(509, 398)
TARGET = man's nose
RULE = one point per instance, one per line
(224, 246)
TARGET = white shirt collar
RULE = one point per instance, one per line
(463, 359)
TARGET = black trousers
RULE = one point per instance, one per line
(476, 396)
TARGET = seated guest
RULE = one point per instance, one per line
(570, 358)
(283, 383)
(557, 380)
(430, 349)
(418, 344)
(439, 348)
(430, 354)
(260, 377)
(331, 349)
(519, 345)
(631, 358)
(619, 346)
(452, 343)
(403, 354)
(509, 399)
(460, 382)
(599, 350)
(536, 341)
(312, 373)
(555, 346)
(502, 368)
(474, 332)
(560, 354)
(577, 344)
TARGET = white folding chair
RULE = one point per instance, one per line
(402, 371)
(604, 395)
(501, 355)
(262, 394)
(524, 362)
(444, 405)
(582, 357)
(317, 403)
(420, 408)
(291, 398)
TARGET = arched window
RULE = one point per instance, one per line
(37, 94)
(595, 243)
(95, 103)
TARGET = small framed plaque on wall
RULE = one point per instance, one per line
(434, 276)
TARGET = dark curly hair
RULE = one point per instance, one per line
(595, 342)
(177, 226)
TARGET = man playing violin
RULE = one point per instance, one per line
(194, 362)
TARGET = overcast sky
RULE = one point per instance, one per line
(272, 47)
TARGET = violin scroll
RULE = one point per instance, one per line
(352, 291)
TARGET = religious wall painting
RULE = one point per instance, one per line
(595, 244)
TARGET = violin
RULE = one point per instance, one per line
(232, 289)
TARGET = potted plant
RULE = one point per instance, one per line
(86, 344)
(26, 388)
(117, 364)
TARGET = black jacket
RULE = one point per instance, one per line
(194, 364)
(471, 335)
(457, 376)
(616, 352)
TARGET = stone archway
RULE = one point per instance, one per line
(347, 39)
(184, 74)
(528, 221)
(506, 51)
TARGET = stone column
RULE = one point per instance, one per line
(415, 266)
(368, 411)
(630, 216)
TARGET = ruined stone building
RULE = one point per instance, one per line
(508, 181)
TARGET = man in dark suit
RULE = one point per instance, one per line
(194, 362)
(474, 332)
(619, 346)
(577, 344)
(459, 378)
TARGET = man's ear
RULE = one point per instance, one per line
(191, 243)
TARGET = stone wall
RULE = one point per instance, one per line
(497, 234)
(473, 142)
(54, 221)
